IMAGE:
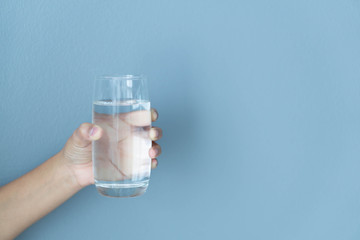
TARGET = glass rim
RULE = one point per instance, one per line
(122, 77)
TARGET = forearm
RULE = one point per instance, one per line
(29, 198)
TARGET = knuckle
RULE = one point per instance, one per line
(84, 125)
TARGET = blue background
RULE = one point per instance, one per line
(258, 100)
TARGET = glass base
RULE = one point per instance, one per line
(121, 188)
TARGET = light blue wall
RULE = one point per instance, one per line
(258, 100)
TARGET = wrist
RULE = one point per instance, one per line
(81, 171)
(66, 173)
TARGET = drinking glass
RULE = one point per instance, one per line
(121, 161)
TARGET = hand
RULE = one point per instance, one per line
(77, 152)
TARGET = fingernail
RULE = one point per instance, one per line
(93, 131)
(154, 164)
(156, 152)
(155, 114)
(154, 134)
(153, 152)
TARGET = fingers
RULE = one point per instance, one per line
(138, 118)
(155, 133)
(155, 150)
(154, 114)
(86, 133)
(154, 163)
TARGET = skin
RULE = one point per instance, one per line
(122, 132)
(32, 196)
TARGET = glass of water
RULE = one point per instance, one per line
(121, 161)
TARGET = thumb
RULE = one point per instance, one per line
(86, 133)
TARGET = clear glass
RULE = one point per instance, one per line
(121, 161)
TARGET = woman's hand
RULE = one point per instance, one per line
(35, 194)
(77, 153)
